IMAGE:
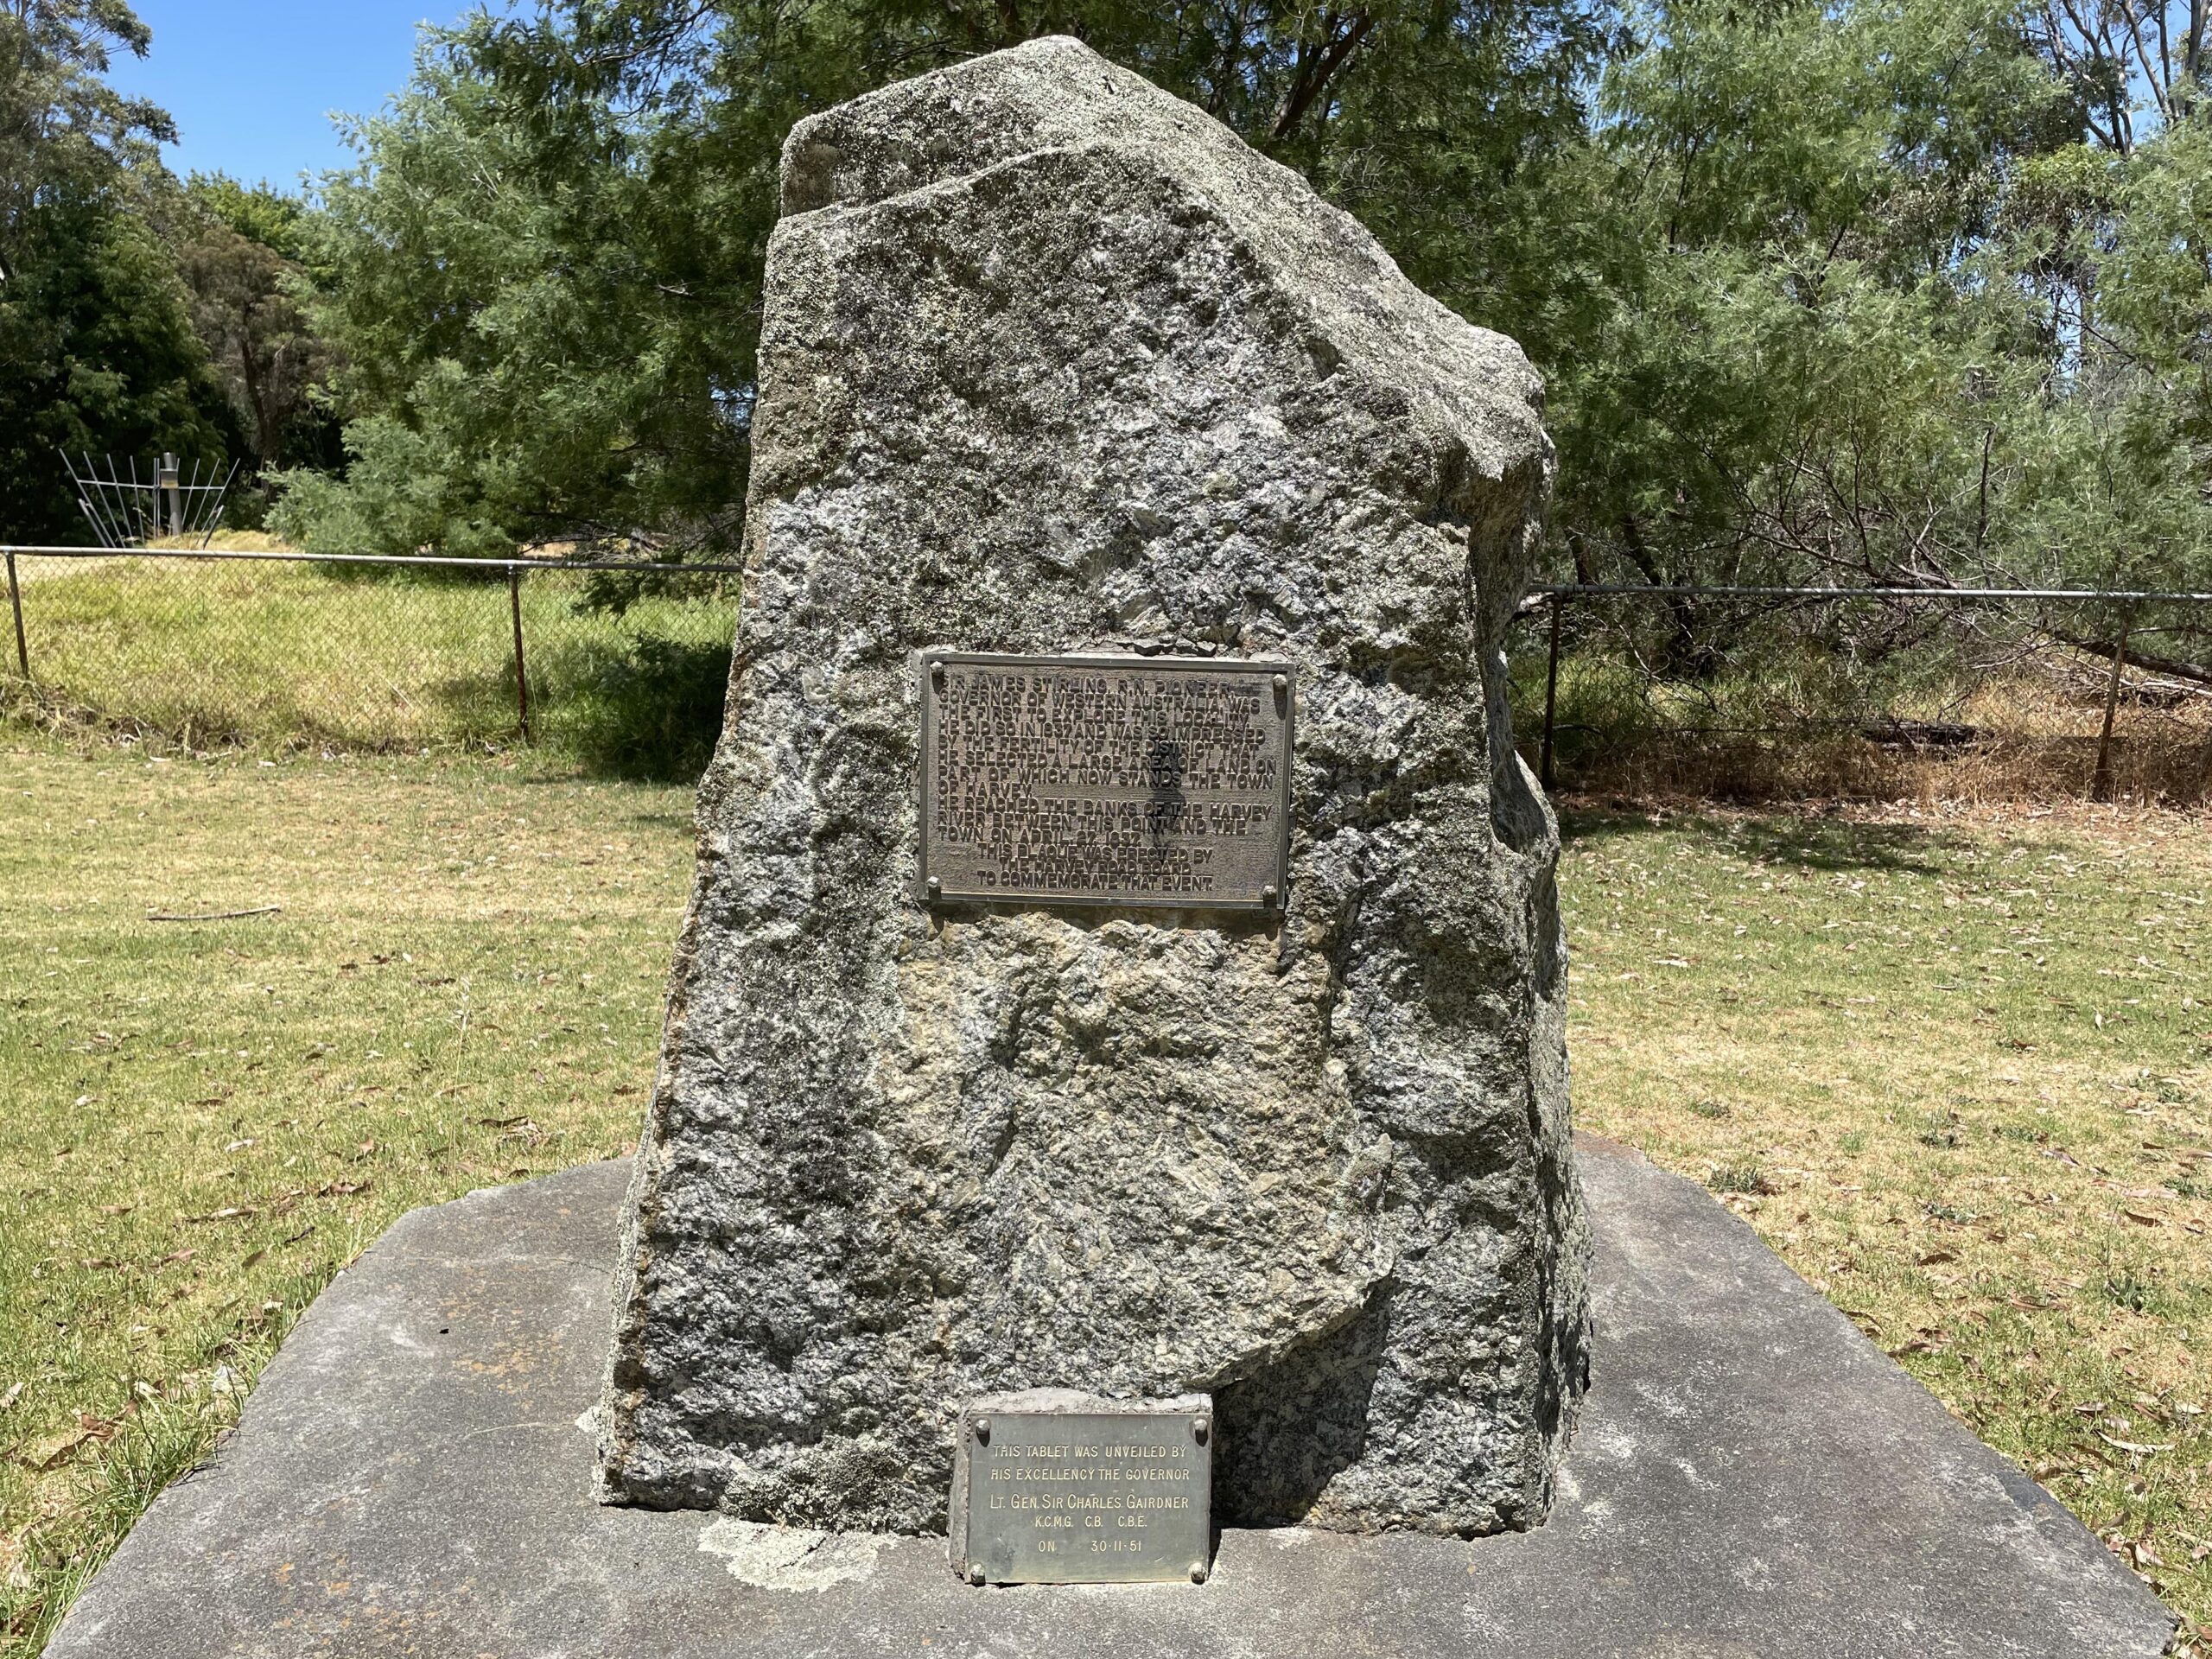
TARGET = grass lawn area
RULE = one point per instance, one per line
(1958, 1072)
(204, 1120)
(1955, 1069)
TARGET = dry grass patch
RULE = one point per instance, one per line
(2033, 738)
(1953, 1067)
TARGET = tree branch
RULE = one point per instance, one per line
(2173, 667)
(1315, 72)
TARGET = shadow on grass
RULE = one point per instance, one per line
(647, 712)
(1778, 838)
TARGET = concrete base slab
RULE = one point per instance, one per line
(1751, 1478)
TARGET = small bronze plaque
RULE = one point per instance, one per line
(1115, 1497)
(1105, 780)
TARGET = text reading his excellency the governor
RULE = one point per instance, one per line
(1089, 1498)
(1104, 780)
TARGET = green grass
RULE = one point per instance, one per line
(207, 1120)
(1956, 1070)
(1965, 1070)
(276, 657)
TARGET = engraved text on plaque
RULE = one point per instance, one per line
(1117, 1496)
(1105, 780)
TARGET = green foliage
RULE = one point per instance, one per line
(63, 129)
(2156, 285)
(262, 215)
(239, 248)
(1877, 291)
(544, 277)
(545, 307)
(1790, 379)
(97, 349)
(101, 356)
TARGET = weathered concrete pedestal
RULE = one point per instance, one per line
(1752, 1477)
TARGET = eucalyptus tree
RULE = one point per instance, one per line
(1811, 280)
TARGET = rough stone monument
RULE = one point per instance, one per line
(1113, 1064)
(1184, 1026)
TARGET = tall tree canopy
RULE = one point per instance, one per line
(97, 349)
(1897, 291)
(63, 130)
(240, 250)
(546, 270)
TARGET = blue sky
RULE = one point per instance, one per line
(252, 83)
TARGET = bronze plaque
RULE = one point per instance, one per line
(1088, 1498)
(1105, 780)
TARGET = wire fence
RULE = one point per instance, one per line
(1745, 690)
(621, 662)
(1778, 690)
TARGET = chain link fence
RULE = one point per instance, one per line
(1749, 692)
(1788, 692)
(622, 665)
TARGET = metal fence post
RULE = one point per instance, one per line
(1551, 694)
(168, 480)
(522, 677)
(15, 602)
(2101, 779)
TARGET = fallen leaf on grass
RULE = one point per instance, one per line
(50, 1453)
(42, 1457)
(116, 1208)
(302, 1234)
(1934, 1256)
(340, 1188)
(231, 1214)
(2145, 1220)
(13, 1393)
(503, 1122)
(2141, 1449)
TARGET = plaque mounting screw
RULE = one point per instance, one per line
(1267, 896)
(975, 1572)
(937, 673)
(1282, 684)
(984, 1429)
(934, 888)
(1197, 1572)
(1200, 1427)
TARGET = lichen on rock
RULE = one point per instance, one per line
(1051, 362)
